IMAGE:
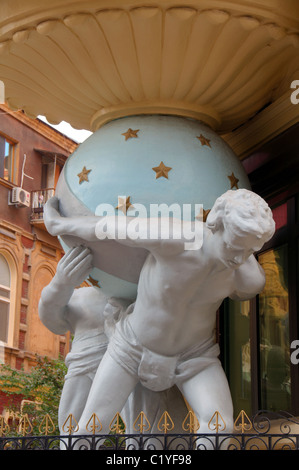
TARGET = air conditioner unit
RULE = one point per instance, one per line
(20, 197)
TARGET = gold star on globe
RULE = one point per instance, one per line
(124, 204)
(83, 176)
(162, 170)
(233, 181)
(94, 282)
(130, 133)
(204, 140)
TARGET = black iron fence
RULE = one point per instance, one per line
(154, 442)
(264, 431)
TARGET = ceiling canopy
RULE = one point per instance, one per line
(89, 62)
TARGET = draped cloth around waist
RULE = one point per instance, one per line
(88, 349)
(155, 371)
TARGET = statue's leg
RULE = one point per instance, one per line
(110, 390)
(73, 399)
(208, 392)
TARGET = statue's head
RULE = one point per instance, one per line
(244, 223)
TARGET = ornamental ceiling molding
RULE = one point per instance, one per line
(265, 126)
(214, 65)
(16, 15)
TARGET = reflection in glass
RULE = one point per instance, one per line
(4, 272)
(274, 332)
(4, 298)
(239, 364)
(4, 312)
(7, 159)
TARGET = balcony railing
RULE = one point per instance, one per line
(38, 200)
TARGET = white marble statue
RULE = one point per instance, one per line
(169, 337)
(90, 316)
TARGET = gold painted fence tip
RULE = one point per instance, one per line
(141, 425)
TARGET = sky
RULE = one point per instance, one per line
(66, 129)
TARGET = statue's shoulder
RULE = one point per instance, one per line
(87, 295)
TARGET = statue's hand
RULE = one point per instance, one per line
(74, 267)
(79, 226)
(52, 218)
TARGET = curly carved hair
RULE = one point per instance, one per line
(242, 212)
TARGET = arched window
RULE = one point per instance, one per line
(5, 284)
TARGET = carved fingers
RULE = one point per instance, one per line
(75, 266)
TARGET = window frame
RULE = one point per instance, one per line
(6, 300)
(14, 164)
(286, 235)
(276, 181)
(12, 300)
(289, 235)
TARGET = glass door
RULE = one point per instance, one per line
(237, 317)
(273, 314)
(256, 335)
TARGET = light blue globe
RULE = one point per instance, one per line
(125, 160)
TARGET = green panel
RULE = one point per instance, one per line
(238, 365)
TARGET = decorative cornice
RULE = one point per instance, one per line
(270, 122)
(167, 107)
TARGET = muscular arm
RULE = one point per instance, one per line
(249, 280)
(167, 235)
(94, 228)
(162, 235)
(72, 269)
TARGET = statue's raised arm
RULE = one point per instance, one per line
(166, 233)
